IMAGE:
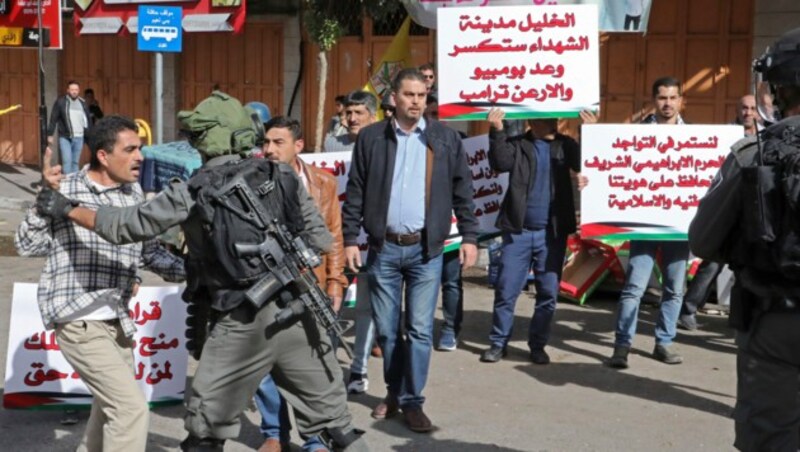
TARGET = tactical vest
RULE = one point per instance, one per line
(223, 217)
(766, 253)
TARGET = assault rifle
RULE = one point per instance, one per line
(289, 263)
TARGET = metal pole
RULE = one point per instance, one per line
(42, 105)
(159, 97)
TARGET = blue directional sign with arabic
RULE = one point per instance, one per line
(159, 28)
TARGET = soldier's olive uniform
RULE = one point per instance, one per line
(244, 343)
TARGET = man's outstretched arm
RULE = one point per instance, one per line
(120, 225)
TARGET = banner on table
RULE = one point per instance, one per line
(532, 62)
(38, 376)
(645, 181)
(614, 15)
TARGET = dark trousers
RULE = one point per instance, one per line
(632, 20)
(544, 251)
(452, 293)
(700, 287)
(767, 411)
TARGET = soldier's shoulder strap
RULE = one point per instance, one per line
(745, 151)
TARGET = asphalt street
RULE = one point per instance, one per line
(577, 403)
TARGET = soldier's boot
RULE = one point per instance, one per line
(337, 439)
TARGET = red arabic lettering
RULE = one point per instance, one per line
(520, 94)
(39, 341)
(487, 46)
(660, 201)
(149, 347)
(572, 44)
(140, 316)
(40, 376)
(552, 22)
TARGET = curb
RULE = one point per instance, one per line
(15, 204)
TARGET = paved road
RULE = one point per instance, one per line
(575, 404)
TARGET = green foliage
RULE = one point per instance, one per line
(324, 29)
(324, 22)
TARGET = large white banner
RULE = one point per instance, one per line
(645, 181)
(614, 15)
(38, 375)
(533, 62)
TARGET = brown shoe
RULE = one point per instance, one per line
(273, 445)
(417, 420)
(376, 351)
(387, 408)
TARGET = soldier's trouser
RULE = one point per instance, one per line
(767, 412)
(243, 346)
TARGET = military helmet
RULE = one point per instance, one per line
(262, 109)
(220, 125)
(780, 64)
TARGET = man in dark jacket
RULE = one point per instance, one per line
(72, 117)
(407, 175)
(537, 215)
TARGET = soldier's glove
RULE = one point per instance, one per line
(51, 203)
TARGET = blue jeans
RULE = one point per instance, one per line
(275, 415)
(452, 293)
(642, 257)
(365, 327)
(543, 251)
(70, 150)
(405, 359)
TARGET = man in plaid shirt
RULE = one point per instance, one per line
(87, 283)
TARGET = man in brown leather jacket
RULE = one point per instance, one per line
(283, 143)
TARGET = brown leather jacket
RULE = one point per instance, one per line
(323, 189)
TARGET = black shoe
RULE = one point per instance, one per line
(687, 322)
(665, 354)
(494, 354)
(539, 356)
(619, 360)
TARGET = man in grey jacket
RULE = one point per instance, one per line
(244, 343)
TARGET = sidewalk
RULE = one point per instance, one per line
(17, 193)
(577, 403)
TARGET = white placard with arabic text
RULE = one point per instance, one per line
(533, 62)
(37, 373)
(645, 181)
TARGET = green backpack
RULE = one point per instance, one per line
(220, 125)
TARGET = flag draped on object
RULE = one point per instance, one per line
(396, 58)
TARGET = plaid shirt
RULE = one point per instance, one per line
(82, 268)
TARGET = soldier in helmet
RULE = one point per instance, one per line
(245, 341)
(749, 219)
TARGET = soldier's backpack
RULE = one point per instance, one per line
(220, 125)
(233, 203)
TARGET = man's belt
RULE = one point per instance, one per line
(404, 239)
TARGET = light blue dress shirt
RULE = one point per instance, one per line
(407, 202)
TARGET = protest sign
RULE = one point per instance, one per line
(532, 62)
(614, 15)
(38, 375)
(645, 181)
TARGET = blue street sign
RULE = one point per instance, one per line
(159, 28)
